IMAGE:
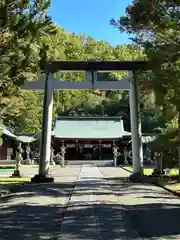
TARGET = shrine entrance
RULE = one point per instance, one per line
(91, 69)
(90, 137)
(85, 150)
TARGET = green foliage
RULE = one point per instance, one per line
(157, 30)
(63, 46)
(29, 40)
(22, 25)
(156, 25)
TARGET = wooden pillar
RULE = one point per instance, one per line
(61, 145)
(113, 145)
(100, 150)
(77, 150)
(81, 151)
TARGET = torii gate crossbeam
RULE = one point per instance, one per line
(48, 84)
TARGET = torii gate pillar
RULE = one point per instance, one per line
(46, 135)
(137, 152)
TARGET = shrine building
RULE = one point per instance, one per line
(89, 135)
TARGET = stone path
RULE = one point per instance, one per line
(102, 205)
(93, 211)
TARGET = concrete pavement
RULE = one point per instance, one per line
(89, 202)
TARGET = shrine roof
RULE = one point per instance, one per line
(26, 139)
(6, 132)
(147, 139)
(89, 128)
(21, 138)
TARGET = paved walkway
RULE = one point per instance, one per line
(92, 212)
(89, 202)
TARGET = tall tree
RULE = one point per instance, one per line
(157, 30)
(19, 112)
(22, 23)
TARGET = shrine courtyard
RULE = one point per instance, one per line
(89, 201)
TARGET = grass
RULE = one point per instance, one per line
(148, 171)
(7, 165)
(9, 180)
(6, 182)
(2, 170)
(12, 166)
(174, 187)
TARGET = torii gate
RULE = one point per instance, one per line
(91, 68)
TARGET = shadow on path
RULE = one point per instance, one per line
(156, 220)
(120, 186)
(26, 221)
(38, 211)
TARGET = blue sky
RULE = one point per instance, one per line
(91, 17)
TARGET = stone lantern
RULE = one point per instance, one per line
(116, 154)
(63, 152)
(19, 152)
(52, 157)
(28, 150)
